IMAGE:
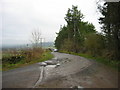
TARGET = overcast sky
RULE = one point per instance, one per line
(21, 17)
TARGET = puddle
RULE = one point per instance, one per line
(51, 66)
(55, 58)
(42, 63)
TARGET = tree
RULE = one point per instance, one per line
(63, 34)
(71, 37)
(36, 51)
(36, 38)
(111, 26)
(73, 19)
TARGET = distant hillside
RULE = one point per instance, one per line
(48, 44)
(44, 45)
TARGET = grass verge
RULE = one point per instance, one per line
(46, 56)
(111, 63)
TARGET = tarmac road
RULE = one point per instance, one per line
(24, 77)
(73, 71)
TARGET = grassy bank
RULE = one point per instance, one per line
(45, 56)
(111, 63)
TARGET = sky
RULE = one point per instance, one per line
(21, 17)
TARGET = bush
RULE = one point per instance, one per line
(12, 57)
(67, 45)
(34, 53)
(94, 43)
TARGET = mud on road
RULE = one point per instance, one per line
(68, 71)
(78, 71)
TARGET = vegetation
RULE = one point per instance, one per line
(81, 37)
(36, 38)
(13, 58)
(24, 57)
(72, 36)
(111, 28)
(111, 63)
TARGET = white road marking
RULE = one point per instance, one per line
(40, 77)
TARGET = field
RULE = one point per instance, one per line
(16, 58)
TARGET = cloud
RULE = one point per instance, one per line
(21, 17)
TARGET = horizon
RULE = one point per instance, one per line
(21, 17)
(19, 45)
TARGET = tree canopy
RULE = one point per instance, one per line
(81, 37)
(111, 26)
(74, 32)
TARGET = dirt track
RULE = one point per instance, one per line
(78, 71)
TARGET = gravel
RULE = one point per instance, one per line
(76, 71)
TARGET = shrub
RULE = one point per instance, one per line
(34, 53)
(94, 44)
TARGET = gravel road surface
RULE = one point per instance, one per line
(76, 71)
(68, 71)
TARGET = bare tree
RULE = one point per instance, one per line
(36, 38)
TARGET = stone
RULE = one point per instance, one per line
(50, 62)
(58, 64)
(42, 64)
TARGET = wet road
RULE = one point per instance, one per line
(24, 77)
(81, 72)
(73, 71)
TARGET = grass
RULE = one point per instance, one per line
(111, 63)
(0, 67)
(6, 55)
(46, 56)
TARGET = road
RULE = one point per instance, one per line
(73, 71)
(24, 77)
